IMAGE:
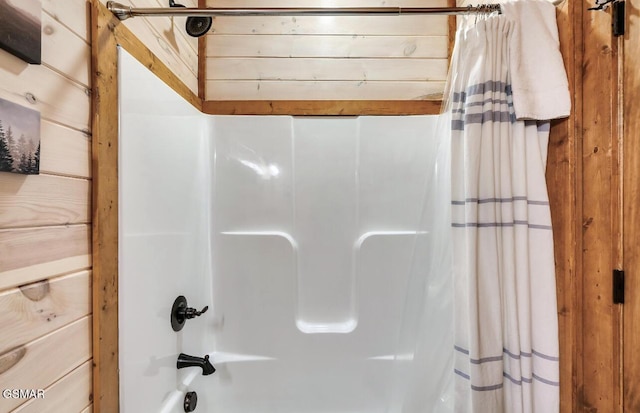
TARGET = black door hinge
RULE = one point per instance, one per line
(618, 286)
(618, 18)
(617, 14)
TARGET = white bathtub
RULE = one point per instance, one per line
(309, 241)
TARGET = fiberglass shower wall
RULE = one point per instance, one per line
(314, 226)
(300, 234)
(164, 239)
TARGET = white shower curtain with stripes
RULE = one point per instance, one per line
(506, 334)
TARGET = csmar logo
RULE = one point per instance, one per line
(23, 393)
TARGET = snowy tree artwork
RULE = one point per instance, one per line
(19, 139)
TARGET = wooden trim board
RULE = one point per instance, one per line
(322, 107)
(202, 60)
(104, 68)
(563, 172)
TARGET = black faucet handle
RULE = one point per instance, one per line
(181, 312)
(190, 313)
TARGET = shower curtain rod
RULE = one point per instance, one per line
(123, 12)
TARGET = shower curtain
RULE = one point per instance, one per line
(506, 339)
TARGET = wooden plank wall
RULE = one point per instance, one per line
(45, 220)
(45, 250)
(326, 57)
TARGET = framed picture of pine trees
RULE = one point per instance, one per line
(20, 27)
(19, 139)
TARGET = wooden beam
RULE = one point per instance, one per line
(322, 107)
(202, 60)
(104, 59)
(565, 197)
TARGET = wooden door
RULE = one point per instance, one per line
(598, 380)
(631, 202)
(585, 179)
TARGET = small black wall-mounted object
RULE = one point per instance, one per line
(618, 286)
(195, 26)
(618, 18)
(180, 313)
(190, 401)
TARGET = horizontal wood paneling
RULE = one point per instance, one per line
(41, 362)
(325, 69)
(71, 394)
(169, 35)
(177, 23)
(28, 255)
(38, 200)
(311, 48)
(64, 151)
(327, 46)
(58, 98)
(64, 51)
(327, 90)
(36, 309)
(336, 25)
(47, 321)
(74, 14)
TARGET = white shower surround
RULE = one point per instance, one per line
(300, 234)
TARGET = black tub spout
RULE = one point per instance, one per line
(185, 360)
